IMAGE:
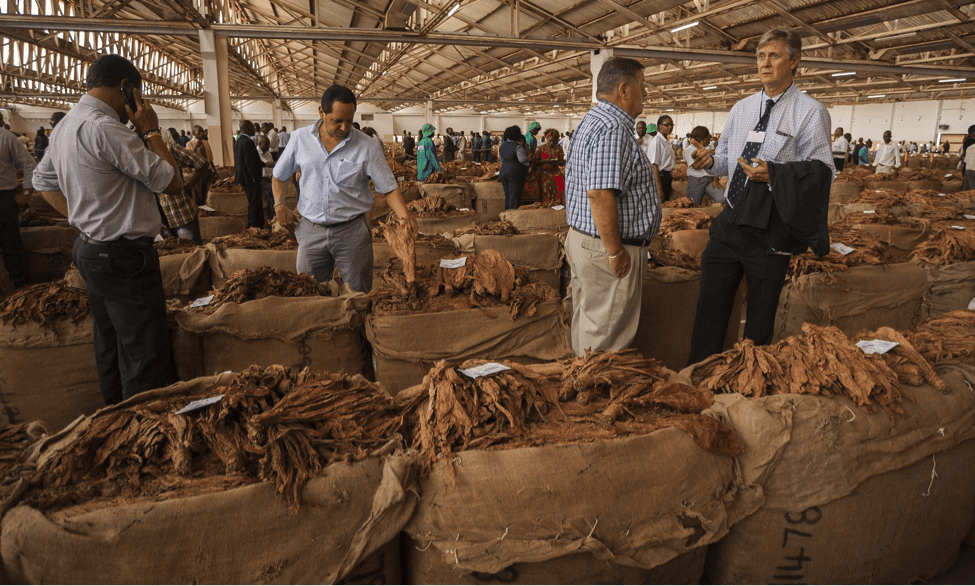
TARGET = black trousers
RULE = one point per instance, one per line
(128, 307)
(666, 185)
(11, 245)
(838, 163)
(723, 264)
(255, 204)
(513, 182)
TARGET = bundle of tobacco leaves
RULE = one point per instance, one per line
(946, 337)
(922, 174)
(909, 365)
(16, 467)
(401, 237)
(428, 240)
(888, 198)
(44, 303)
(539, 206)
(173, 246)
(943, 213)
(499, 228)
(867, 251)
(681, 202)
(251, 284)
(820, 361)
(257, 239)
(679, 173)
(30, 219)
(601, 396)
(689, 219)
(855, 173)
(875, 217)
(432, 206)
(673, 258)
(848, 177)
(227, 185)
(272, 425)
(488, 172)
(484, 281)
(464, 171)
(945, 246)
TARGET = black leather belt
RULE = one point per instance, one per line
(141, 241)
(626, 241)
(337, 224)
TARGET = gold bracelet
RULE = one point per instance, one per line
(151, 134)
(617, 255)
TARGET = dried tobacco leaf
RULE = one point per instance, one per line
(173, 246)
(946, 337)
(499, 228)
(401, 237)
(44, 303)
(257, 239)
(868, 251)
(821, 361)
(945, 247)
(273, 425)
(673, 258)
(680, 202)
(690, 219)
(251, 284)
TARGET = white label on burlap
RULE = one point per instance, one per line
(876, 346)
(465, 209)
(941, 195)
(485, 370)
(948, 176)
(957, 227)
(558, 207)
(199, 404)
(842, 248)
(971, 304)
(202, 301)
(870, 211)
(453, 263)
(206, 208)
(969, 217)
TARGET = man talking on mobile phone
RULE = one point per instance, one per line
(104, 177)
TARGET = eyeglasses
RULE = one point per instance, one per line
(665, 124)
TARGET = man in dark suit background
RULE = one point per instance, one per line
(249, 172)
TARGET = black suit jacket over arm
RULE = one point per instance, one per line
(793, 216)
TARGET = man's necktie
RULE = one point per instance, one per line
(737, 188)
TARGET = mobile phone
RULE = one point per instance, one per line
(129, 96)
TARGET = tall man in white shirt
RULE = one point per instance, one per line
(13, 156)
(887, 158)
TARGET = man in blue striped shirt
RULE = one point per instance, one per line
(613, 208)
(779, 125)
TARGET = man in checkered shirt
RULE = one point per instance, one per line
(613, 208)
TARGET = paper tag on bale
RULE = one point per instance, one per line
(876, 346)
(485, 370)
(199, 404)
(969, 217)
(453, 263)
(870, 211)
(957, 227)
(558, 207)
(842, 248)
(971, 305)
(202, 301)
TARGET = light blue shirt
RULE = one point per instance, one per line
(798, 130)
(107, 175)
(334, 186)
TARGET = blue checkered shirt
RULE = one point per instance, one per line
(798, 130)
(604, 154)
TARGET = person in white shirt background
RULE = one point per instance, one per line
(887, 157)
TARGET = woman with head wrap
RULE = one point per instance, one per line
(426, 154)
(514, 166)
(549, 160)
(531, 143)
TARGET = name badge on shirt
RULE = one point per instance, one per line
(756, 136)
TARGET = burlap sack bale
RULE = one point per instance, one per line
(690, 242)
(860, 298)
(224, 263)
(232, 202)
(838, 211)
(383, 566)
(431, 566)
(932, 184)
(951, 287)
(39, 205)
(240, 535)
(48, 374)
(892, 184)
(843, 191)
(182, 274)
(713, 210)
(667, 310)
(679, 188)
(322, 333)
(639, 501)
(530, 220)
(216, 226)
(404, 349)
(912, 163)
(490, 200)
(48, 250)
(848, 497)
(459, 195)
(949, 186)
(902, 238)
(542, 253)
(449, 223)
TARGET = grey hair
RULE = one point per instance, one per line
(615, 71)
(791, 40)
